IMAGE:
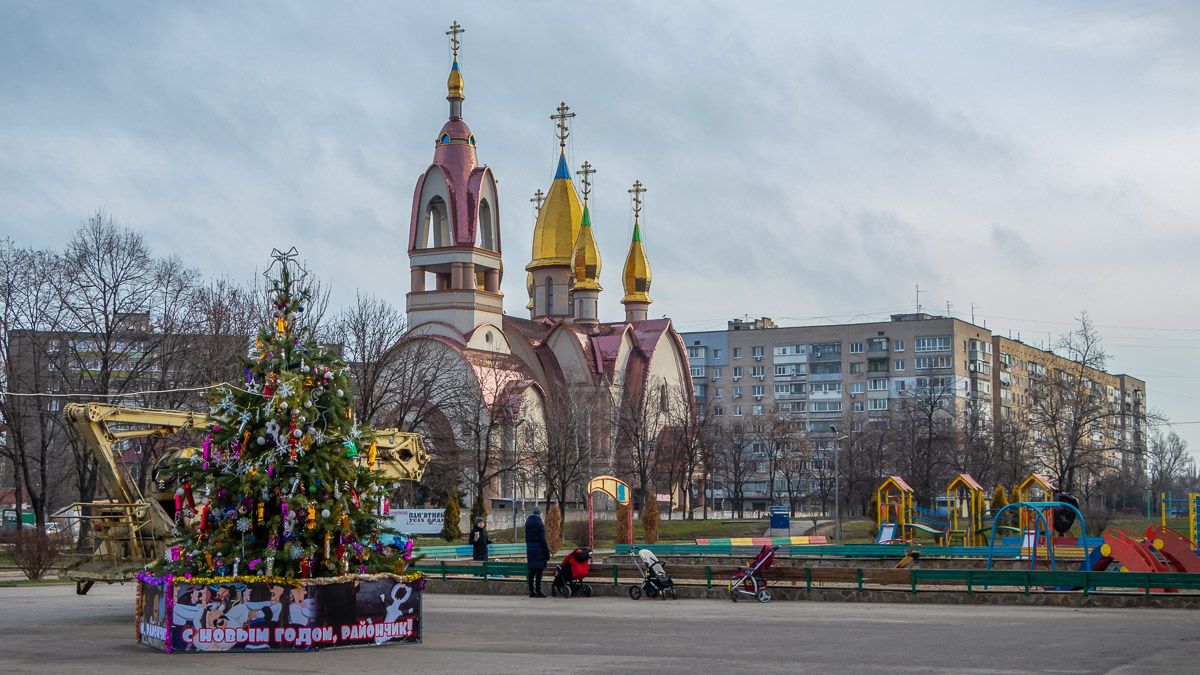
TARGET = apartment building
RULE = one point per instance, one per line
(819, 374)
(1019, 366)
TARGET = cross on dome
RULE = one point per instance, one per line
(456, 29)
(560, 117)
(586, 171)
(637, 191)
(538, 198)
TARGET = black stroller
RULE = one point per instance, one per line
(656, 583)
(570, 573)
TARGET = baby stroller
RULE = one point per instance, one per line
(656, 583)
(570, 573)
(752, 579)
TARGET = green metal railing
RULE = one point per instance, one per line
(861, 578)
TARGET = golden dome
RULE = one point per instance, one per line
(586, 273)
(558, 221)
(637, 270)
(454, 84)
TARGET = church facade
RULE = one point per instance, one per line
(523, 369)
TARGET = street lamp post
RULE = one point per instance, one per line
(837, 480)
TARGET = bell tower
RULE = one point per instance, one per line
(454, 232)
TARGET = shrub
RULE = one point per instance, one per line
(35, 552)
(450, 529)
(554, 523)
(650, 521)
(624, 536)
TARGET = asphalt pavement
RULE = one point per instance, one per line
(51, 630)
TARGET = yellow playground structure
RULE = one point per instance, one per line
(1035, 488)
(964, 511)
(896, 513)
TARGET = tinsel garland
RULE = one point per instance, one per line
(291, 582)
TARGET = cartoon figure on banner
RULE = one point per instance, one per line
(394, 609)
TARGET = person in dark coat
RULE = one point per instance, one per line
(479, 540)
(537, 552)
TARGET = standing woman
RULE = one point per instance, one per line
(537, 552)
(479, 541)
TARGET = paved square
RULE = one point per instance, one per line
(50, 630)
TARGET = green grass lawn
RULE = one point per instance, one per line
(678, 531)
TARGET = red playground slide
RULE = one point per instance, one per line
(1175, 548)
(1129, 554)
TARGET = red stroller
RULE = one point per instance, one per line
(570, 573)
(752, 579)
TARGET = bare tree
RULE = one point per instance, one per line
(30, 313)
(775, 432)
(639, 423)
(1169, 462)
(923, 432)
(734, 462)
(563, 448)
(369, 331)
(497, 404)
(1068, 413)
(690, 425)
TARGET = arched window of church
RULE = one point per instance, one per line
(549, 295)
(445, 139)
(485, 233)
(437, 225)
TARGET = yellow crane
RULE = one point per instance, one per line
(128, 530)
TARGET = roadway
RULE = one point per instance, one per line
(49, 629)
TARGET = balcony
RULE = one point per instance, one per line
(824, 377)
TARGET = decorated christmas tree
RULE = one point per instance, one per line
(284, 485)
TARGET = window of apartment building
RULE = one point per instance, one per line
(737, 392)
(940, 382)
(856, 347)
(901, 385)
(877, 344)
(826, 349)
(757, 390)
(826, 368)
(716, 353)
(983, 386)
(826, 387)
(928, 362)
(877, 384)
(932, 344)
(697, 371)
(783, 371)
(783, 390)
(857, 387)
(877, 404)
(719, 392)
(857, 367)
(737, 411)
(695, 352)
(758, 371)
(716, 373)
(898, 364)
(758, 409)
(737, 372)
(718, 411)
(756, 351)
(857, 406)
(897, 345)
(737, 352)
(783, 350)
(800, 368)
(698, 390)
(825, 406)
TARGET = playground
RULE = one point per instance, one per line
(956, 546)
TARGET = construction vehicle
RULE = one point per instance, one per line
(129, 530)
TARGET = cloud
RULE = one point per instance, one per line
(1010, 244)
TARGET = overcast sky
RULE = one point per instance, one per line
(805, 162)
